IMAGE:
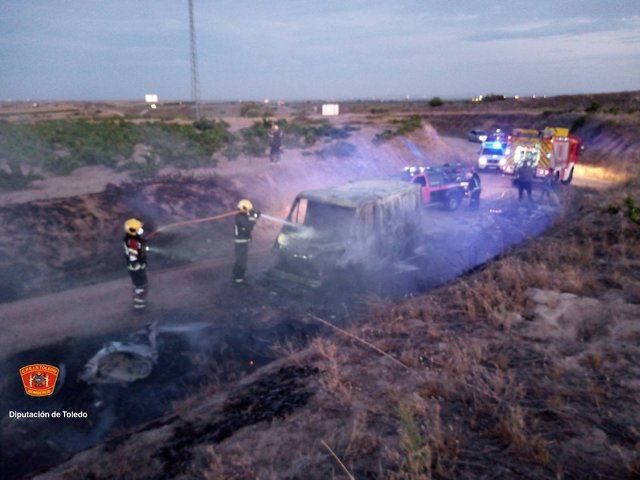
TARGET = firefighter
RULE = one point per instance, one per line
(276, 143)
(245, 220)
(135, 248)
(525, 179)
(473, 189)
(548, 186)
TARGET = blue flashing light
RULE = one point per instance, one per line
(497, 145)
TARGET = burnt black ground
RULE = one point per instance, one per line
(240, 328)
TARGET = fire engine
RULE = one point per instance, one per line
(554, 148)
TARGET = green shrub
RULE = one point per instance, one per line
(62, 146)
(253, 110)
(578, 123)
(15, 178)
(256, 138)
(148, 169)
(436, 102)
(232, 152)
(633, 212)
(593, 107)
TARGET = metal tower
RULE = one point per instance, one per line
(195, 88)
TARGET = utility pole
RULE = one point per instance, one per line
(195, 89)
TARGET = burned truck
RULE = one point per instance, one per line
(344, 232)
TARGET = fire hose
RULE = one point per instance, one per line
(190, 222)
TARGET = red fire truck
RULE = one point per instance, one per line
(554, 148)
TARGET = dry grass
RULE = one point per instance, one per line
(481, 398)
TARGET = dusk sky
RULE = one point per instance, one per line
(324, 49)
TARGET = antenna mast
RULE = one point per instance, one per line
(195, 89)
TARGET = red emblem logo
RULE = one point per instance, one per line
(39, 380)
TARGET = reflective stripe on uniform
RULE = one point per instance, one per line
(242, 240)
(136, 267)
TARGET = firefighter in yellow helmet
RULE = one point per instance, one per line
(135, 248)
(245, 220)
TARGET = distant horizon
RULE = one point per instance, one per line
(295, 100)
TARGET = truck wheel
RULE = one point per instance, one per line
(453, 202)
(569, 178)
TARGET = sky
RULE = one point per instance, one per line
(321, 49)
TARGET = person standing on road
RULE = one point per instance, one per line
(275, 147)
(474, 188)
(525, 179)
(548, 186)
(135, 248)
(245, 220)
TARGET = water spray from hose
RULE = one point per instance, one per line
(278, 220)
(299, 231)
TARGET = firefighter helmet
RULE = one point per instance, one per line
(133, 226)
(245, 205)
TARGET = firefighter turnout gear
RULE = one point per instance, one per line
(135, 248)
(525, 179)
(275, 145)
(245, 221)
(474, 188)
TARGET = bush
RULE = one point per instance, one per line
(148, 169)
(232, 152)
(578, 123)
(62, 146)
(252, 110)
(406, 125)
(256, 138)
(302, 132)
(593, 107)
(15, 178)
(436, 102)
(633, 212)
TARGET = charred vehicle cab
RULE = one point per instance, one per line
(340, 230)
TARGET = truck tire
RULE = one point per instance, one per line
(452, 203)
(569, 178)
